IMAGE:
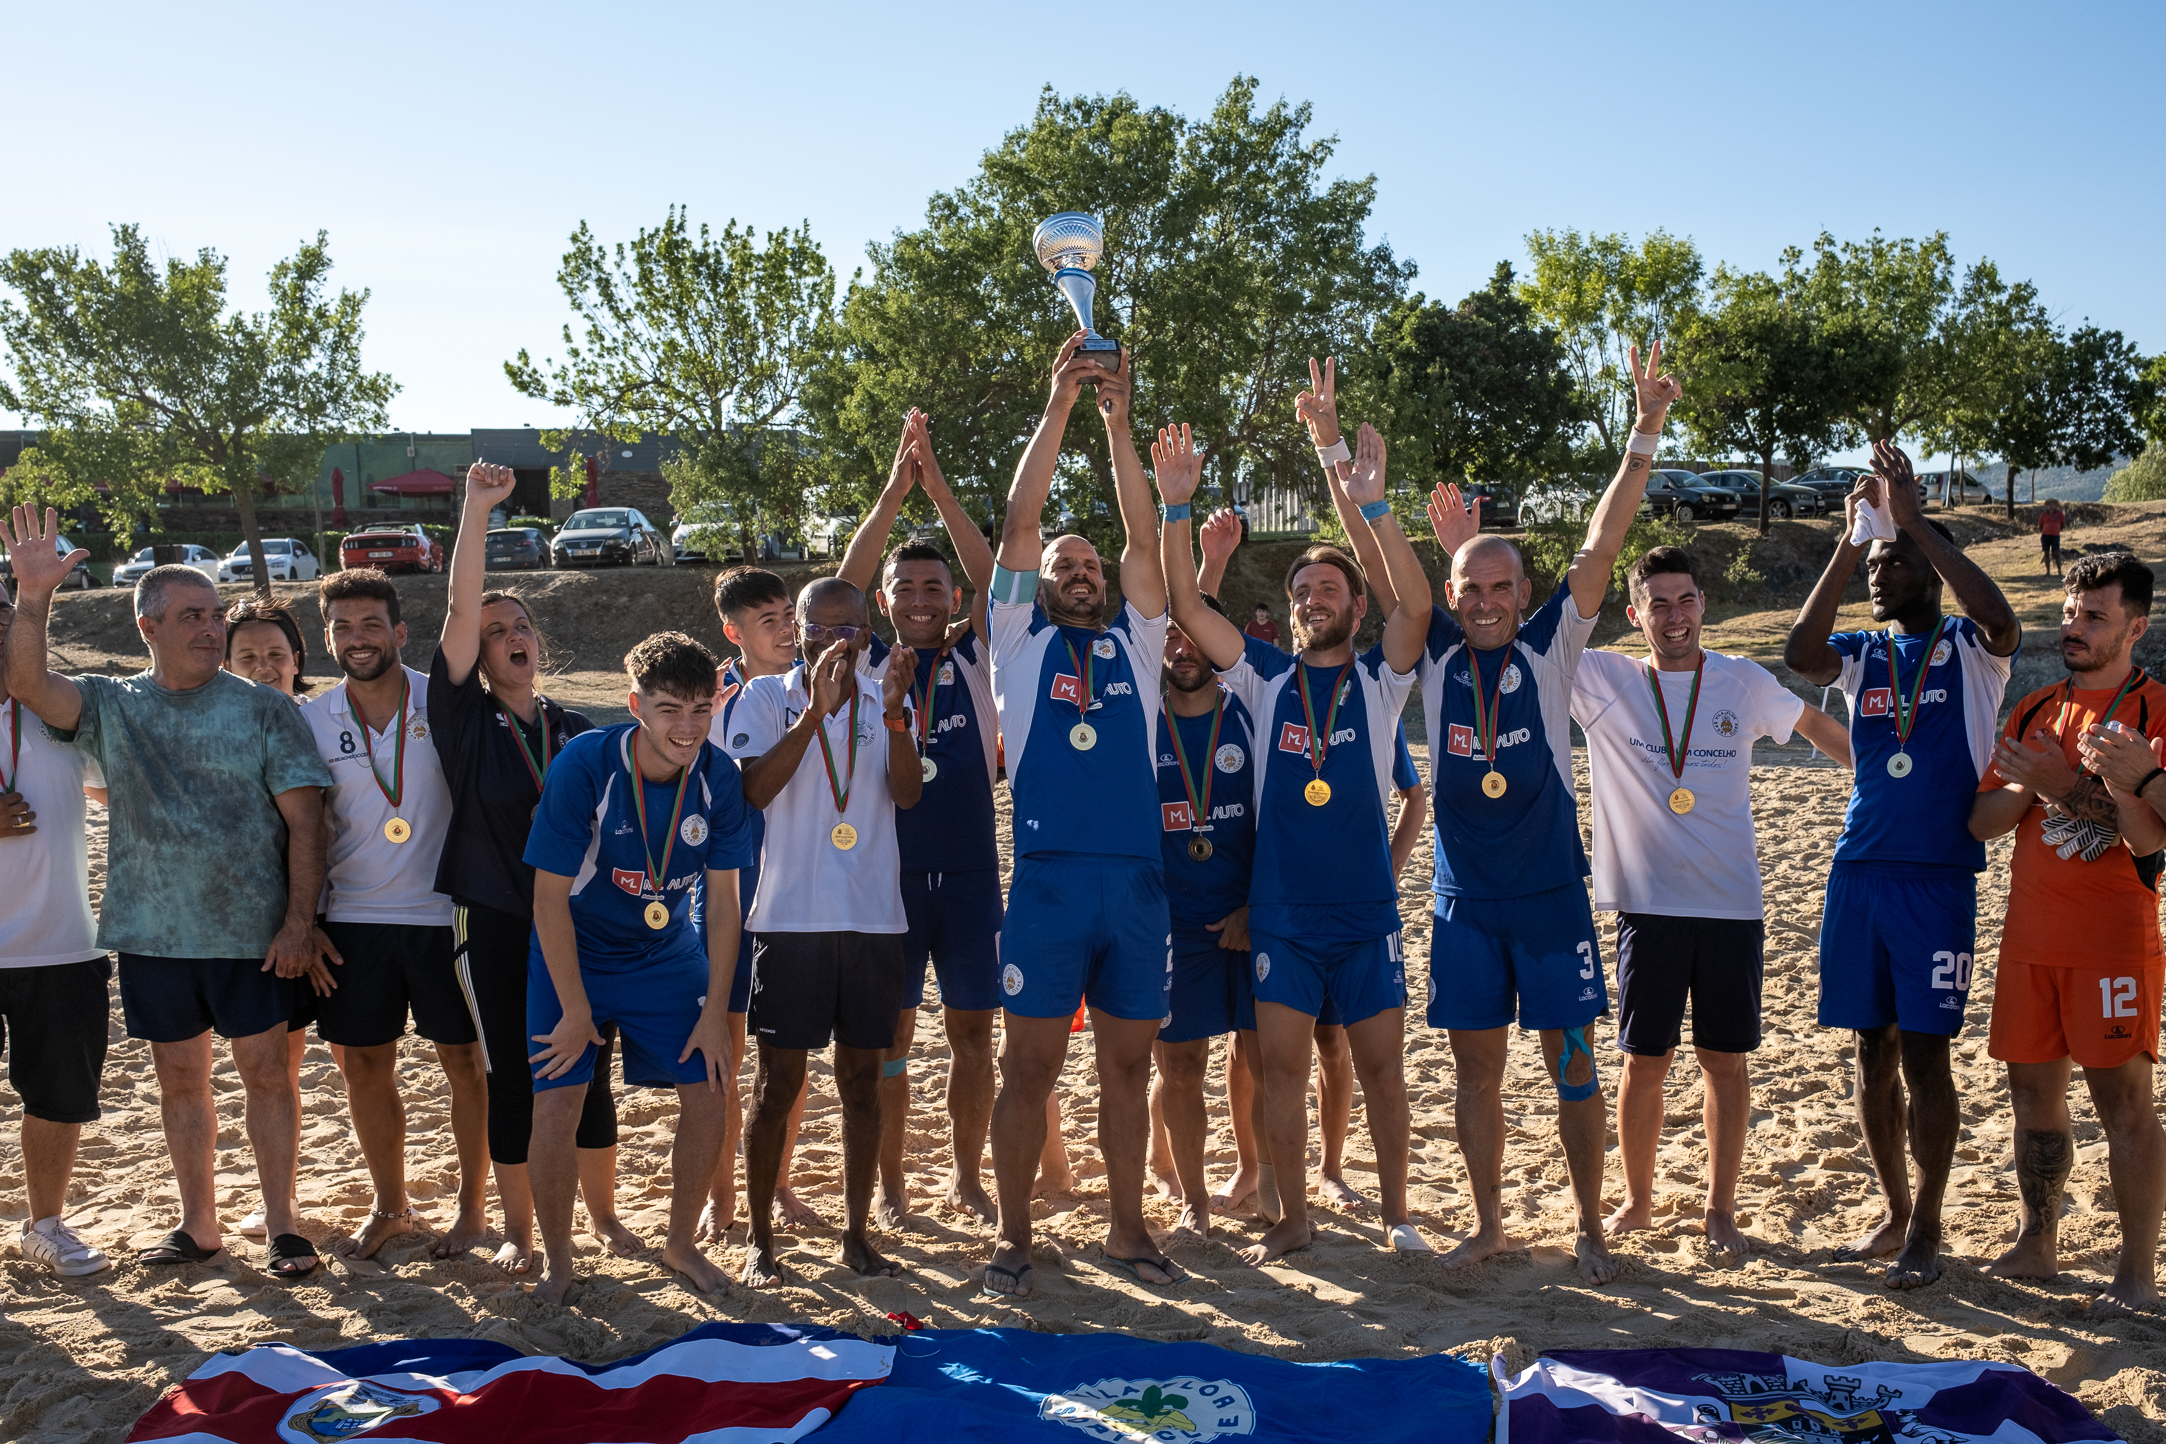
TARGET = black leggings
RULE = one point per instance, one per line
(491, 959)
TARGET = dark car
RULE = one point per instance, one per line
(78, 577)
(609, 536)
(1675, 493)
(516, 549)
(1500, 504)
(1785, 498)
(1832, 482)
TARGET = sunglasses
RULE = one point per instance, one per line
(814, 633)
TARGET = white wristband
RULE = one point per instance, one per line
(1337, 451)
(1644, 443)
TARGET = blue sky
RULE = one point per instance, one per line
(450, 149)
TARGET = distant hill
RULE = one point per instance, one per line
(2065, 482)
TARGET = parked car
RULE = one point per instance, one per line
(609, 536)
(1500, 504)
(1968, 490)
(288, 560)
(203, 559)
(515, 549)
(79, 578)
(392, 549)
(1681, 495)
(1785, 499)
(1832, 482)
(710, 532)
(829, 536)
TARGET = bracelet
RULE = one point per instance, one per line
(2148, 778)
(1375, 509)
(1337, 451)
(1644, 443)
(900, 722)
(1176, 511)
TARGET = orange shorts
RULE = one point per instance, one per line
(2100, 1017)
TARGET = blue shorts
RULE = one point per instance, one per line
(654, 1008)
(1353, 978)
(954, 920)
(170, 1000)
(1539, 951)
(1211, 990)
(1086, 927)
(1889, 941)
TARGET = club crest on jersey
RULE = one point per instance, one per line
(1942, 653)
(947, 674)
(418, 730)
(740, 740)
(694, 831)
(1011, 980)
(1293, 737)
(1175, 816)
(1103, 647)
(632, 880)
(1263, 966)
(1066, 689)
(1230, 757)
(1509, 683)
(1876, 702)
(1726, 723)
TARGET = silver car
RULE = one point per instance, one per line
(203, 559)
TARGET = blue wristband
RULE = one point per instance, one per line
(1176, 512)
(1375, 509)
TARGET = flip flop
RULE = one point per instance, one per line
(1132, 1268)
(175, 1248)
(293, 1257)
(1020, 1276)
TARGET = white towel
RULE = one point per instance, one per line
(1872, 525)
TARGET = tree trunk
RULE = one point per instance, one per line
(1767, 489)
(244, 502)
(2011, 491)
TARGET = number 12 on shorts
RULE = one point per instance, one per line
(1951, 970)
(2117, 997)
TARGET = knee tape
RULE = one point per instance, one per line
(894, 1067)
(1575, 1041)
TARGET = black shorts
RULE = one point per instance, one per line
(808, 988)
(1716, 963)
(2050, 546)
(392, 968)
(53, 1022)
(170, 1000)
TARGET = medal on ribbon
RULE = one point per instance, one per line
(1199, 806)
(842, 834)
(1906, 714)
(536, 769)
(657, 911)
(925, 704)
(1678, 749)
(398, 829)
(1082, 737)
(1485, 719)
(1318, 791)
(2060, 724)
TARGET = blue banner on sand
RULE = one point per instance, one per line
(950, 1385)
(1660, 1396)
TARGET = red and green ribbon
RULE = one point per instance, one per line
(539, 771)
(841, 790)
(1082, 664)
(1198, 811)
(1319, 742)
(655, 877)
(1485, 718)
(1678, 749)
(397, 789)
(1906, 715)
(924, 704)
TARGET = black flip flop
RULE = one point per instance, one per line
(1133, 1268)
(1020, 1276)
(293, 1257)
(175, 1248)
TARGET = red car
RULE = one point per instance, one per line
(392, 549)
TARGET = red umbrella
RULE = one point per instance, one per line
(416, 483)
(338, 497)
(592, 498)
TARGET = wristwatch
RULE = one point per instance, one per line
(896, 721)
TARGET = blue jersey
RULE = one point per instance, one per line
(1923, 818)
(951, 828)
(718, 733)
(1526, 841)
(587, 829)
(1404, 775)
(1337, 855)
(1102, 799)
(1225, 779)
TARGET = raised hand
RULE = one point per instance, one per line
(1318, 406)
(830, 671)
(902, 475)
(1176, 464)
(1218, 537)
(902, 666)
(1071, 373)
(1451, 518)
(1114, 388)
(1900, 483)
(39, 567)
(1654, 389)
(488, 485)
(929, 474)
(1365, 482)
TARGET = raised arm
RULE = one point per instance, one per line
(1142, 580)
(39, 571)
(1220, 538)
(767, 774)
(861, 562)
(1806, 651)
(1175, 463)
(486, 487)
(1021, 548)
(1975, 592)
(1590, 571)
(1407, 628)
(970, 545)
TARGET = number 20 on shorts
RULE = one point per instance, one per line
(1951, 970)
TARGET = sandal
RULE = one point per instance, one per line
(1133, 1268)
(176, 1248)
(293, 1257)
(1019, 1277)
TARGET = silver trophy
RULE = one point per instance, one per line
(1069, 245)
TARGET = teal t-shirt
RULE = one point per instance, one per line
(196, 848)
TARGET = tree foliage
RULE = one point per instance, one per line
(2143, 479)
(1604, 296)
(144, 377)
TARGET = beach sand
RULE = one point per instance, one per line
(80, 1359)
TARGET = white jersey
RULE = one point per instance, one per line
(45, 906)
(1647, 858)
(808, 884)
(367, 877)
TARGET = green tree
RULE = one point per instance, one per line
(145, 377)
(2101, 398)
(1604, 296)
(2143, 479)
(709, 341)
(2005, 359)
(1229, 261)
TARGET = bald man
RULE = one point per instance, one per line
(1087, 915)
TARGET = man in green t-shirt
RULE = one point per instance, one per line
(215, 863)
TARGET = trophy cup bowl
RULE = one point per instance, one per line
(1068, 245)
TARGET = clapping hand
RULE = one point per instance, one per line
(1451, 519)
(2040, 768)
(489, 484)
(1654, 389)
(1365, 482)
(831, 672)
(1898, 482)
(902, 666)
(1219, 537)
(2122, 758)
(1176, 464)
(39, 568)
(1318, 406)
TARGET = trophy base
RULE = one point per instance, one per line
(1106, 353)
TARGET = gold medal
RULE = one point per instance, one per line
(843, 836)
(397, 830)
(930, 768)
(657, 916)
(1318, 792)
(1199, 848)
(1493, 784)
(1082, 737)
(1899, 765)
(1681, 801)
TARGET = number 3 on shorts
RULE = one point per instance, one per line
(2117, 997)
(1946, 964)
(1586, 954)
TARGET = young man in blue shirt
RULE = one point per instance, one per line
(640, 830)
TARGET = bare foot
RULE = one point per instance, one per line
(1267, 1194)
(762, 1269)
(793, 1212)
(470, 1228)
(858, 1255)
(1168, 1184)
(1630, 1217)
(1724, 1236)
(2123, 1297)
(379, 1230)
(1194, 1225)
(611, 1234)
(968, 1196)
(713, 1225)
(699, 1271)
(1341, 1195)
(1050, 1185)
(1008, 1271)
(514, 1258)
(1236, 1192)
(1478, 1247)
(2032, 1258)
(890, 1211)
(1916, 1266)
(1880, 1243)
(552, 1288)
(1283, 1238)
(1597, 1265)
